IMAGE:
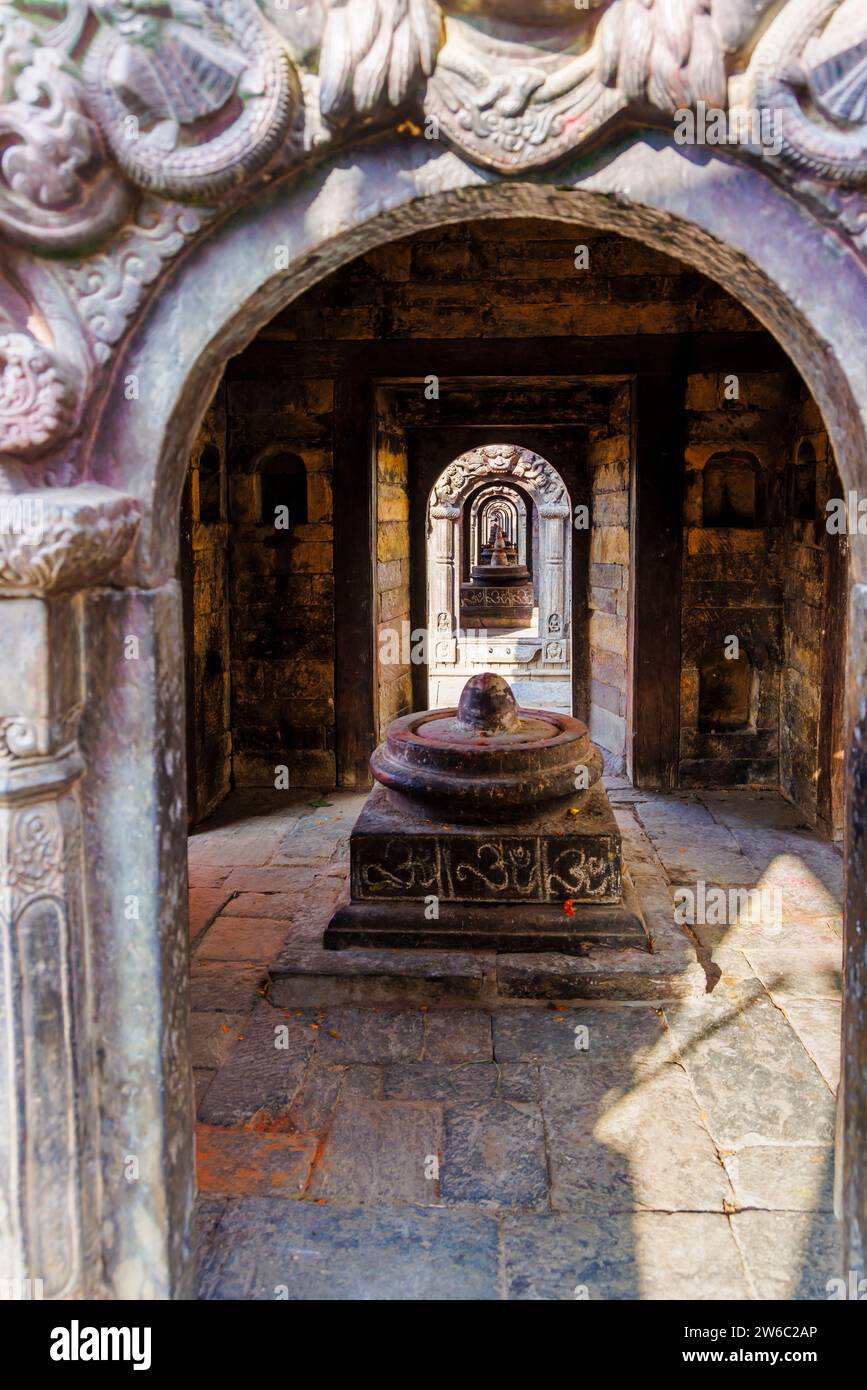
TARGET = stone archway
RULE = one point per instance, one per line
(127, 346)
(547, 492)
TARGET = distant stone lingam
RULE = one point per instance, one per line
(490, 828)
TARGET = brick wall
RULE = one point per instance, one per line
(732, 580)
(805, 557)
(393, 580)
(282, 586)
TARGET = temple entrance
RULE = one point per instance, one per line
(658, 525)
(499, 563)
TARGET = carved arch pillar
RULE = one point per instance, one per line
(443, 581)
(554, 583)
(50, 542)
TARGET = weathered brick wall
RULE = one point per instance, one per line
(510, 279)
(608, 458)
(282, 586)
(393, 580)
(205, 578)
(805, 554)
(732, 578)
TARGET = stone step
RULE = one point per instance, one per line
(601, 974)
(379, 976)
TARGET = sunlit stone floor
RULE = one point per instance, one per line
(442, 1141)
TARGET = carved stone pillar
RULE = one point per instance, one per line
(49, 1136)
(553, 583)
(443, 587)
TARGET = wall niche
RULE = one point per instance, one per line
(802, 484)
(284, 484)
(725, 692)
(733, 491)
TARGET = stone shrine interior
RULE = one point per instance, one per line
(515, 646)
(692, 513)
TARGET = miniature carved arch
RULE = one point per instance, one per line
(501, 464)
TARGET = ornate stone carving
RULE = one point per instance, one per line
(82, 534)
(111, 286)
(500, 460)
(37, 396)
(811, 66)
(374, 52)
(191, 98)
(57, 191)
(514, 105)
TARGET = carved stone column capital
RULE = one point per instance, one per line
(60, 539)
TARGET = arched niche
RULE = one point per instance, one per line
(727, 691)
(733, 490)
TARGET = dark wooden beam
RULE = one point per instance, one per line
(354, 566)
(660, 439)
(830, 789)
(405, 359)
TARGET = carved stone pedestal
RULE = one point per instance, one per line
(549, 883)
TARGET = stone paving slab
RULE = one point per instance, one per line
(243, 939)
(457, 1035)
(226, 986)
(260, 1079)
(783, 1178)
(268, 1248)
(494, 1155)
(202, 1078)
(617, 1143)
(468, 1081)
(380, 1153)
(206, 875)
(274, 907)
(628, 1035)
(818, 1023)
(205, 905)
(213, 1035)
(372, 1035)
(814, 971)
(789, 1255)
(235, 1163)
(646, 1255)
(750, 1073)
(269, 878)
(228, 850)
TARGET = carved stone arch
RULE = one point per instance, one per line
(546, 490)
(188, 313)
(708, 211)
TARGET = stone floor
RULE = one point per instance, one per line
(459, 1127)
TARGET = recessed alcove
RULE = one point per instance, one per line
(802, 483)
(283, 490)
(726, 693)
(733, 490)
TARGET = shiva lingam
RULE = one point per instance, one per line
(499, 593)
(489, 828)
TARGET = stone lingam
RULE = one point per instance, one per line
(489, 828)
(500, 593)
